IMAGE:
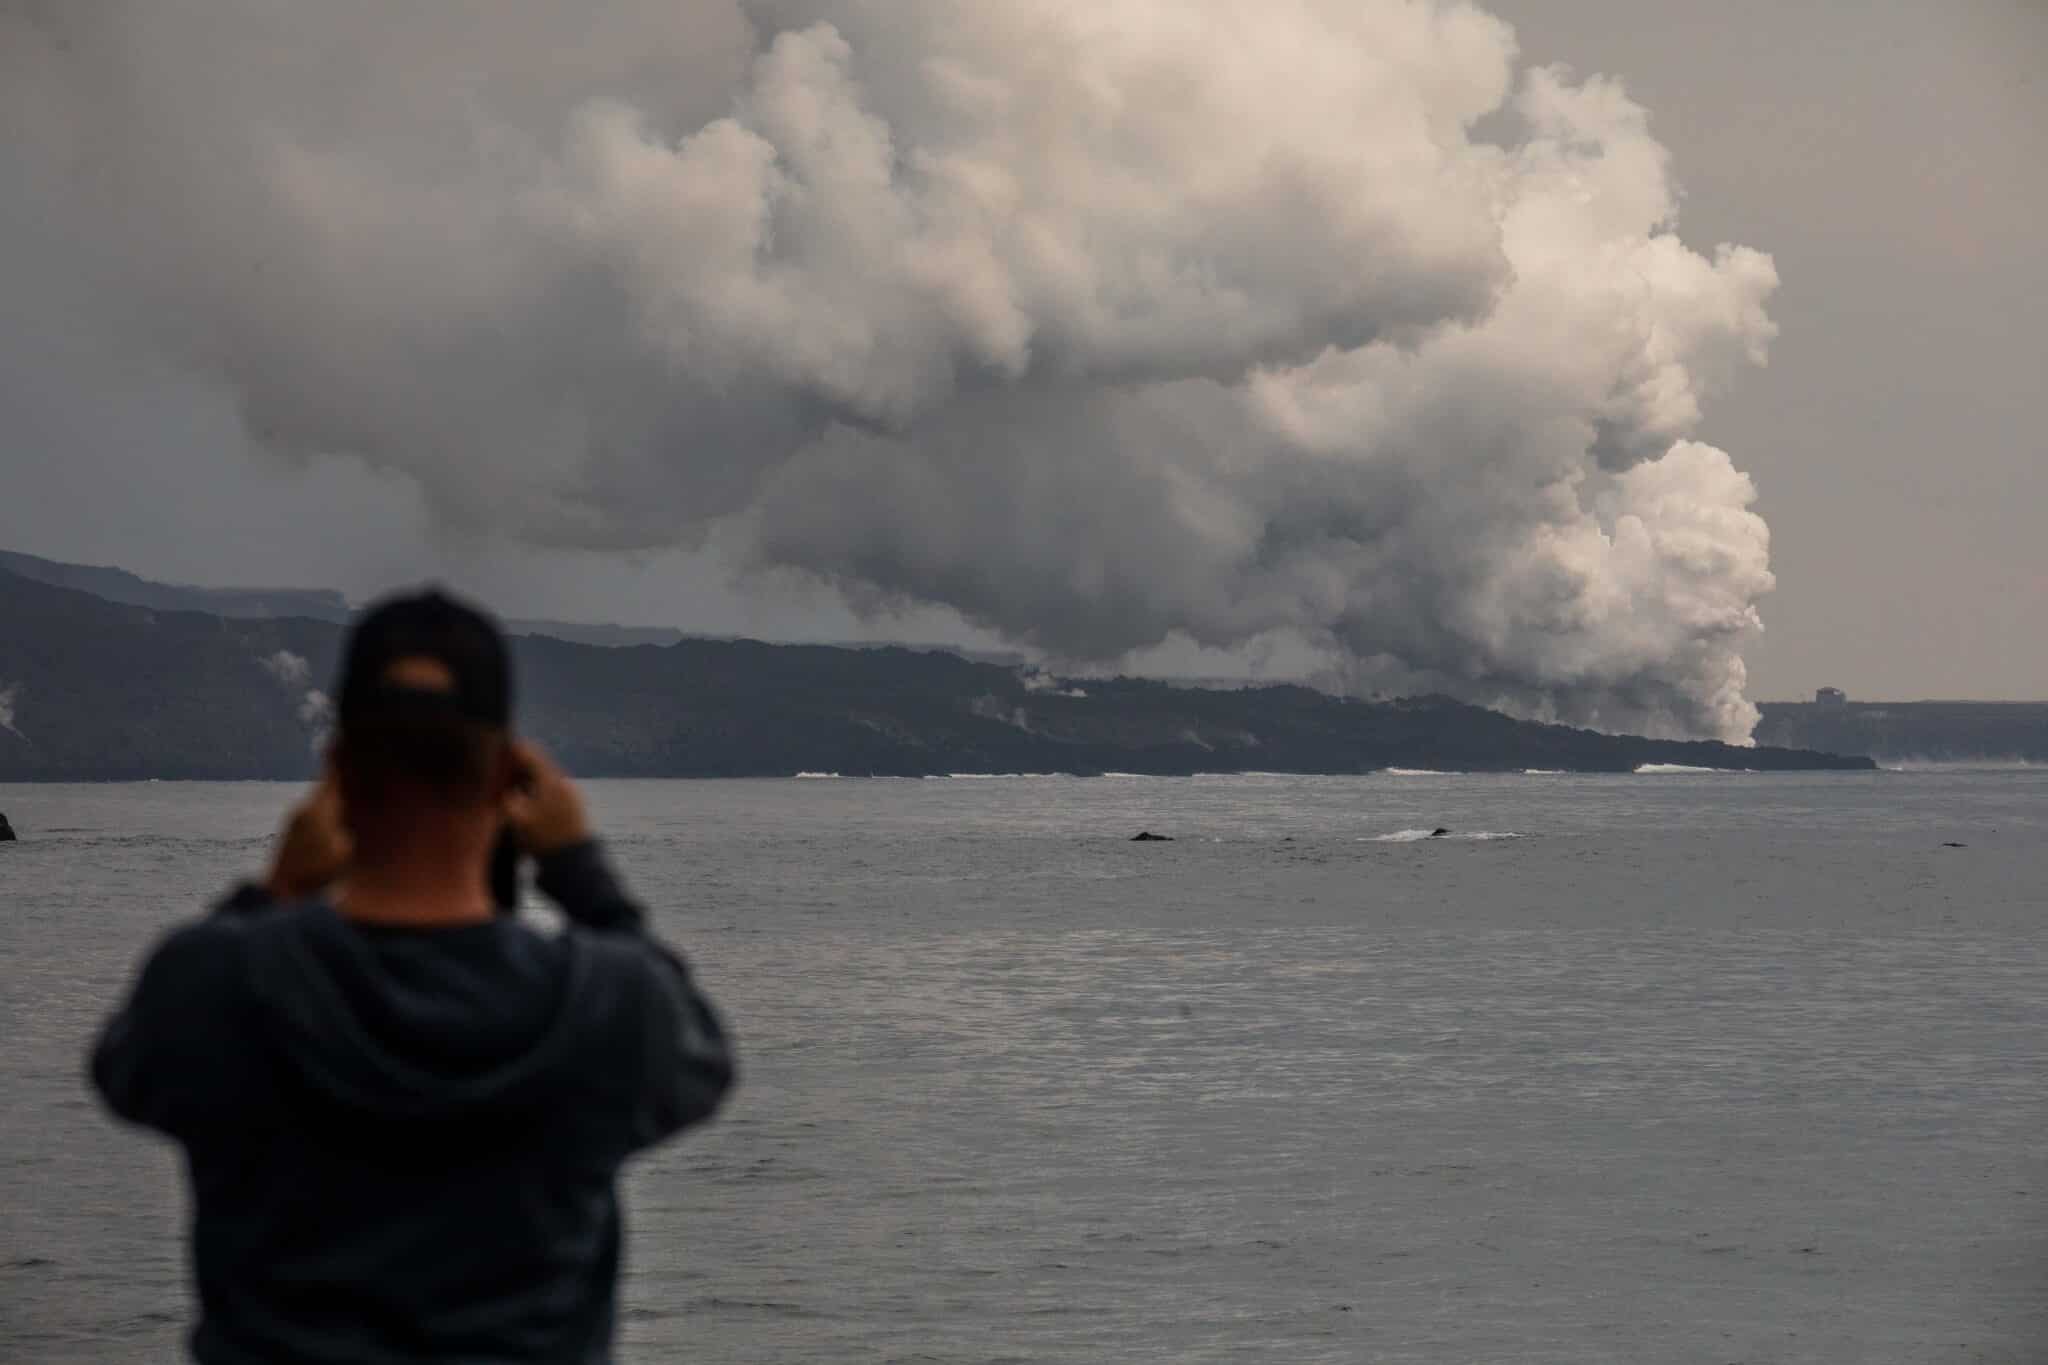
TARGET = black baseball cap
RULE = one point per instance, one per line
(429, 625)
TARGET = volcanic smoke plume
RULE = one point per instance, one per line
(1100, 321)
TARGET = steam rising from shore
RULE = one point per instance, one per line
(1099, 321)
(295, 675)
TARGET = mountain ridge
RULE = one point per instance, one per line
(99, 690)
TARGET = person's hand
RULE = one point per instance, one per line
(544, 808)
(314, 847)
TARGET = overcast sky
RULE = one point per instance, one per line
(1892, 158)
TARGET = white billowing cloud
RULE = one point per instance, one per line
(1039, 681)
(315, 709)
(316, 713)
(291, 670)
(1099, 321)
(7, 695)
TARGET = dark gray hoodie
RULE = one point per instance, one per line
(404, 1144)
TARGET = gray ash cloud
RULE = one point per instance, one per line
(1101, 323)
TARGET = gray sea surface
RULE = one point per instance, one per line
(1695, 1068)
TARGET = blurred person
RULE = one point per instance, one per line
(403, 1110)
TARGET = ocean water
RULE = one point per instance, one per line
(1693, 1068)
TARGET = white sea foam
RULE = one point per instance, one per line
(1415, 836)
(1675, 769)
(816, 776)
(1420, 772)
(1544, 772)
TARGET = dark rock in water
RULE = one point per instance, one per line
(6, 830)
(1438, 833)
(1146, 836)
(3, 822)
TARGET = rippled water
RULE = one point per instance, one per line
(1698, 1069)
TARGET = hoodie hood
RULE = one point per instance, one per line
(471, 1021)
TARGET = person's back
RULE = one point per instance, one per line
(404, 1113)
